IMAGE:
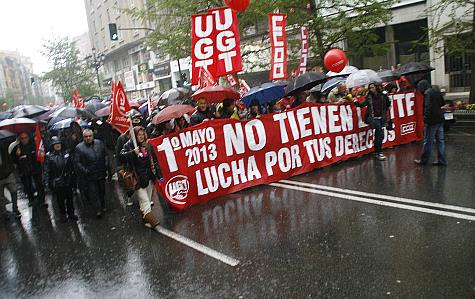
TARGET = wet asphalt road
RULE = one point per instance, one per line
(290, 243)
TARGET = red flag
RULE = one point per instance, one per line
(278, 41)
(302, 68)
(78, 102)
(231, 80)
(227, 47)
(120, 106)
(215, 43)
(243, 87)
(40, 149)
(206, 79)
(202, 45)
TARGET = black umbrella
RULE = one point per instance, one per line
(388, 75)
(414, 68)
(174, 96)
(29, 111)
(70, 112)
(94, 106)
(5, 134)
(305, 82)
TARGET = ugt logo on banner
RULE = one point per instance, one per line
(215, 43)
(278, 42)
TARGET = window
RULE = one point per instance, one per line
(408, 42)
(458, 67)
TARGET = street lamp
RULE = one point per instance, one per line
(96, 61)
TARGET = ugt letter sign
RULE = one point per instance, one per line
(215, 43)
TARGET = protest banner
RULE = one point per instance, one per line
(219, 157)
(302, 68)
(278, 42)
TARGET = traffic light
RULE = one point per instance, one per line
(113, 31)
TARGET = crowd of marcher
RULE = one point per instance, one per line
(80, 161)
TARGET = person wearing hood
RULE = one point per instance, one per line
(29, 169)
(142, 159)
(434, 124)
(59, 170)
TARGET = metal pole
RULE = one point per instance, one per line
(179, 70)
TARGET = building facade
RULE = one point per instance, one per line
(144, 72)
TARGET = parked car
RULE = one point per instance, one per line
(449, 114)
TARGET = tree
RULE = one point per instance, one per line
(11, 98)
(453, 31)
(68, 70)
(330, 22)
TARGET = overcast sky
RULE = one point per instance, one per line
(25, 24)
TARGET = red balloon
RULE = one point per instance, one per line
(237, 5)
(335, 60)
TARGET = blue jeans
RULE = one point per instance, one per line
(431, 133)
(378, 135)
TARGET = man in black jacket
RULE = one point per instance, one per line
(434, 124)
(7, 179)
(58, 175)
(29, 169)
(202, 113)
(90, 159)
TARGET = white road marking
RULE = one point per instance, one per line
(377, 202)
(381, 196)
(197, 246)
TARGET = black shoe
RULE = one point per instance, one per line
(419, 162)
(104, 210)
(64, 219)
(438, 163)
(73, 217)
(44, 205)
(99, 214)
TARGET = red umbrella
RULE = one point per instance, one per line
(216, 94)
(18, 125)
(171, 112)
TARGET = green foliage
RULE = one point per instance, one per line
(329, 22)
(68, 70)
(11, 98)
(449, 33)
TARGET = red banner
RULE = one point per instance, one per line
(119, 107)
(202, 45)
(228, 43)
(205, 78)
(302, 68)
(77, 100)
(215, 43)
(278, 42)
(231, 80)
(220, 157)
(40, 148)
(243, 87)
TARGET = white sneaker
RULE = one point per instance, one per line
(380, 157)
